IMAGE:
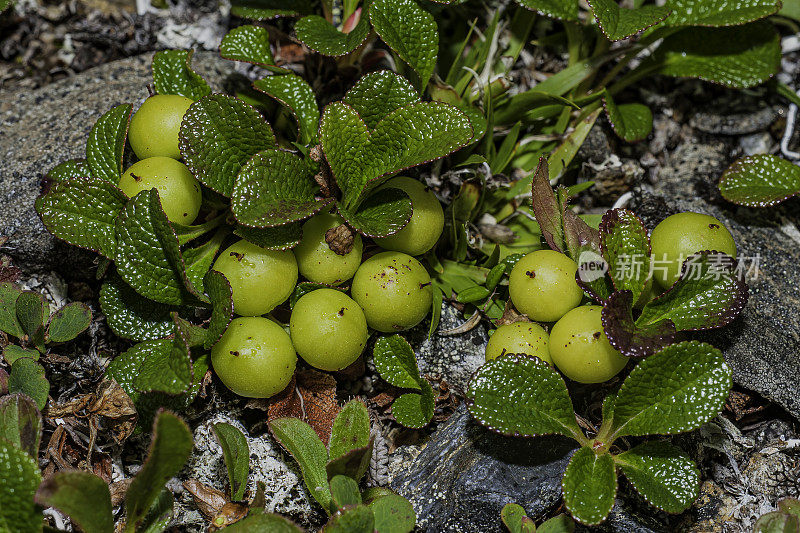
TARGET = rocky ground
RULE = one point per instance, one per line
(457, 474)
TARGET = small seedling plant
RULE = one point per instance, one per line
(514, 518)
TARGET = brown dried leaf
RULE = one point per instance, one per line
(510, 315)
(230, 513)
(340, 239)
(209, 501)
(311, 399)
(8, 272)
(118, 490)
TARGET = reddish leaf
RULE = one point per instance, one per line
(311, 397)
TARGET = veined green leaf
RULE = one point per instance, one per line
(350, 429)
(618, 23)
(82, 496)
(27, 377)
(173, 74)
(631, 122)
(237, 457)
(106, 143)
(69, 322)
(626, 248)
(74, 168)
(377, 94)
(384, 213)
(589, 486)
(760, 181)
(296, 94)
(21, 476)
(132, 316)
(321, 36)
(718, 12)
(8, 309)
(248, 43)
(165, 365)
(560, 9)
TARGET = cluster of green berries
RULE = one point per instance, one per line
(543, 286)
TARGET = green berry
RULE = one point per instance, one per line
(427, 220)
(254, 358)
(580, 349)
(315, 259)
(542, 285)
(394, 290)
(260, 278)
(155, 126)
(328, 329)
(178, 189)
(681, 235)
(520, 337)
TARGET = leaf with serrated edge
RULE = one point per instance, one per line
(73, 168)
(626, 336)
(21, 422)
(218, 135)
(718, 12)
(541, 402)
(275, 188)
(631, 122)
(219, 292)
(82, 211)
(414, 410)
(309, 452)
(237, 457)
(737, 57)
(618, 23)
(279, 238)
(662, 473)
(626, 248)
(350, 429)
(384, 213)
(106, 143)
(410, 31)
(321, 36)
(396, 362)
(169, 451)
(21, 477)
(249, 44)
(82, 496)
(173, 74)
(167, 366)
(589, 486)
(709, 294)
(27, 377)
(393, 514)
(69, 322)
(132, 316)
(560, 9)
(377, 94)
(678, 389)
(296, 94)
(760, 181)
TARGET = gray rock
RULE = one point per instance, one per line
(41, 128)
(750, 121)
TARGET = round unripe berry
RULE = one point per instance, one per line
(394, 290)
(315, 259)
(520, 337)
(328, 329)
(254, 358)
(542, 285)
(178, 189)
(681, 235)
(580, 349)
(260, 278)
(155, 126)
(427, 220)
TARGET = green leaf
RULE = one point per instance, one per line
(393, 514)
(279, 238)
(760, 181)
(275, 188)
(296, 94)
(558, 524)
(82, 496)
(309, 452)
(617, 23)
(718, 12)
(69, 322)
(166, 365)
(541, 402)
(737, 57)
(321, 36)
(21, 423)
(8, 309)
(12, 352)
(82, 211)
(516, 106)
(344, 491)
(350, 429)
(414, 410)
(198, 261)
(148, 257)
(159, 515)
(631, 122)
(410, 31)
(377, 94)
(560, 158)
(218, 135)
(169, 451)
(628, 337)
(237, 457)
(678, 389)
(560, 9)
(663, 474)
(353, 464)
(709, 294)
(589, 486)
(357, 519)
(106, 143)
(626, 248)
(247, 43)
(514, 518)
(27, 377)
(263, 523)
(21, 477)
(396, 362)
(74, 168)
(173, 74)
(219, 292)
(32, 313)
(132, 316)
(777, 522)
(270, 9)
(384, 213)
(407, 137)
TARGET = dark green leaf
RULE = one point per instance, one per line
(541, 402)
(247, 43)
(159, 515)
(166, 365)
(8, 309)
(219, 134)
(760, 181)
(515, 519)
(629, 338)
(21, 477)
(558, 524)
(384, 213)
(393, 514)
(69, 322)
(106, 143)
(350, 429)
(296, 94)
(415, 410)
(32, 312)
(511, 111)
(197, 261)
(132, 316)
(589, 486)
(718, 12)
(12, 352)
(263, 523)
(353, 463)
(777, 522)
(618, 23)
(279, 238)
(173, 74)
(74, 168)
(21, 423)
(270, 9)
(344, 491)
(357, 519)
(560, 9)
(27, 377)
(626, 248)
(219, 292)
(321, 36)
(631, 122)
(396, 362)
(82, 496)
(377, 94)
(237, 457)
